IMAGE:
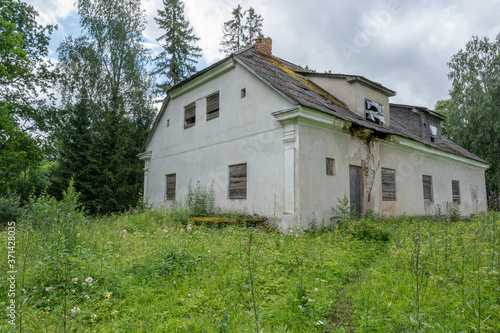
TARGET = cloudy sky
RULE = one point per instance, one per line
(405, 45)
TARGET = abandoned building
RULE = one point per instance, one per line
(279, 141)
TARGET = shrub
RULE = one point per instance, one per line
(200, 200)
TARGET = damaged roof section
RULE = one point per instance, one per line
(292, 81)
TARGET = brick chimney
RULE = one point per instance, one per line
(264, 45)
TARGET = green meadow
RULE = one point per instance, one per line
(152, 270)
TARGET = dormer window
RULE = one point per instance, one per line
(434, 133)
(374, 112)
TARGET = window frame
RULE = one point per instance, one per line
(388, 194)
(427, 178)
(187, 120)
(455, 192)
(212, 109)
(237, 188)
(168, 186)
(330, 166)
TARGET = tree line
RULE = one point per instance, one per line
(86, 117)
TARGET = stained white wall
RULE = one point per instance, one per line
(244, 132)
(319, 193)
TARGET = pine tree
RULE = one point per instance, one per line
(233, 39)
(241, 31)
(253, 26)
(180, 52)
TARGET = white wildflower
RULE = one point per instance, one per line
(75, 310)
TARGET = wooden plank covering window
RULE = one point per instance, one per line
(238, 181)
(189, 115)
(213, 106)
(330, 167)
(170, 187)
(388, 185)
(427, 184)
(455, 189)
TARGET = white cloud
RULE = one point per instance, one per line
(51, 11)
(408, 47)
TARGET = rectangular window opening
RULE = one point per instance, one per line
(237, 181)
(213, 106)
(427, 186)
(374, 112)
(455, 189)
(170, 187)
(243, 92)
(190, 115)
(388, 185)
(330, 167)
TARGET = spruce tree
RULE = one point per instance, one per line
(178, 57)
(241, 31)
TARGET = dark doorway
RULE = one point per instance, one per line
(356, 188)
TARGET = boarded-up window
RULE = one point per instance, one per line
(330, 167)
(238, 181)
(427, 183)
(455, 189)
(213, 106)
(170, 187)
(388, 185)
(190, 115)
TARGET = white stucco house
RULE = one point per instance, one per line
(279, 141)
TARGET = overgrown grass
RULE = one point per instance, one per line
(149, 271)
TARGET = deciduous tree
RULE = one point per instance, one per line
(473, 110)
(107, 94)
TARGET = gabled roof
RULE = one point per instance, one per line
(291, 81)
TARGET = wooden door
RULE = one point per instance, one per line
(356, 189)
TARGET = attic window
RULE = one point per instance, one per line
(243, 93)
(433, 133)
(213, 106)
(189, 115)
(374, 112)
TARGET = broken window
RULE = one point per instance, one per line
(427, 184)
(455, 189)
(189, 115)
(388, 185)
(374, 112)
(170, 187)
(238, 181)
(434, 133)
(213, 106)
(330, 167)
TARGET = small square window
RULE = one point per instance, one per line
(190, 115)
(330, 167)
(243, 92)
(213, 106)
